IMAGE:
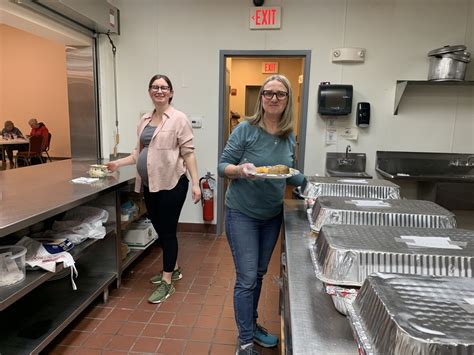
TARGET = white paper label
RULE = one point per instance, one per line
(469, 300)
(354, 181)
(331, 136)
(429, 242)
(469, 307)
(350, 133)
(369, 203)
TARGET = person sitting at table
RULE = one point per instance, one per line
(39, 129)
(9, 132)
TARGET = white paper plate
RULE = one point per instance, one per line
(292, 172)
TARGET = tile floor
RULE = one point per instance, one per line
(197, 319)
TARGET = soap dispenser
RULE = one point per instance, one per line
(363, 114)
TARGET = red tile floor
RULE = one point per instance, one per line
(197, 319)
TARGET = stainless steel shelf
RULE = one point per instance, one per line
(33, 312)
(32, 322)
(131, 257)
(402, 85)
(33, 279)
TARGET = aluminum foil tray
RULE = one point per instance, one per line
(357, 211)
(346, 255)
(399, 314)
(315, 186)
(341, 296)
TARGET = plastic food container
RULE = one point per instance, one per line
(98, 171)
(12, 264)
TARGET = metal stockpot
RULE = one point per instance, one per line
(448, 63)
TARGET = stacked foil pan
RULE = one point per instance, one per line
(315, 186)
(347, 255)
(400, 314)
(402, 213)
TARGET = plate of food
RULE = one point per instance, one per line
(275, 172)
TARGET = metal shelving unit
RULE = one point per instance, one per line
(37, 309)
(402, 85)
(32, 322)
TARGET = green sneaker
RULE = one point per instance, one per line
(162, 292)
(175, 276)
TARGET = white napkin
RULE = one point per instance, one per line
(84, 180)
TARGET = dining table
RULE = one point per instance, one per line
(11, 141)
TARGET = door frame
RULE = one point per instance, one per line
(223, 55)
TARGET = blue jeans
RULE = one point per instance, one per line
(251, 242)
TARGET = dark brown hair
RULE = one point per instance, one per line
(165, 78)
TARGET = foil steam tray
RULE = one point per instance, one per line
(341, 296)
(315, 186)
(402, 213)
(347, 255)
(400, 314)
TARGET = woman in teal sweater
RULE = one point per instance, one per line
(254, 206)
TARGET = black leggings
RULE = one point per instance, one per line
(164, 208)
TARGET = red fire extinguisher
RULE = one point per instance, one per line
(207, 184)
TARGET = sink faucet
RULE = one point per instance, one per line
(469, 162)
(348, 149)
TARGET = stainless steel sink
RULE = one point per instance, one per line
(425, 166)
(350, 174)
(346, 164)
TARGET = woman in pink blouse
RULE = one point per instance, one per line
(165, 157)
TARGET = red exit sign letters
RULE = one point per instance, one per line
(270, 67)
(264, 18)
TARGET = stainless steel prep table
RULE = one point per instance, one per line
(36, 193)
(32, 194)
(310, 325)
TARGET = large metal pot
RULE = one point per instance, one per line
(448, 63)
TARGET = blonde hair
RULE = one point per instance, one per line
(285, 126)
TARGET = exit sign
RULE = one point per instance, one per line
(264, 18)
(270, 67)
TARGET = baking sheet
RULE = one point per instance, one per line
(398, 314)
(347, 254)
(357, 211)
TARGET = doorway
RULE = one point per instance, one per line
(237, 97)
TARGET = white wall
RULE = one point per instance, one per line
(182, 38)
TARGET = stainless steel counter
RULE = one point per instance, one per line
(32, 194)
(316, 326)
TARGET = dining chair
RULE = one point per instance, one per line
(46, 149)
(35, 149)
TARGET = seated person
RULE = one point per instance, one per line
(39, 129)
(10, 131)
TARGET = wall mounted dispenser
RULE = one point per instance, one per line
(363, 114)
(334, 100)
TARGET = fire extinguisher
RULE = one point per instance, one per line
(207, 184)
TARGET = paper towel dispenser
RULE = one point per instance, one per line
(334, 100)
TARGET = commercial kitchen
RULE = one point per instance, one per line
(377, 247)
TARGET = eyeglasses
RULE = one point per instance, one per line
(280, 95)
(156, 88)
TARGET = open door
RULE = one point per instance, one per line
(241, 78)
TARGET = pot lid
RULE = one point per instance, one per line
(458, 57)
(465, 53)
(447, 49)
